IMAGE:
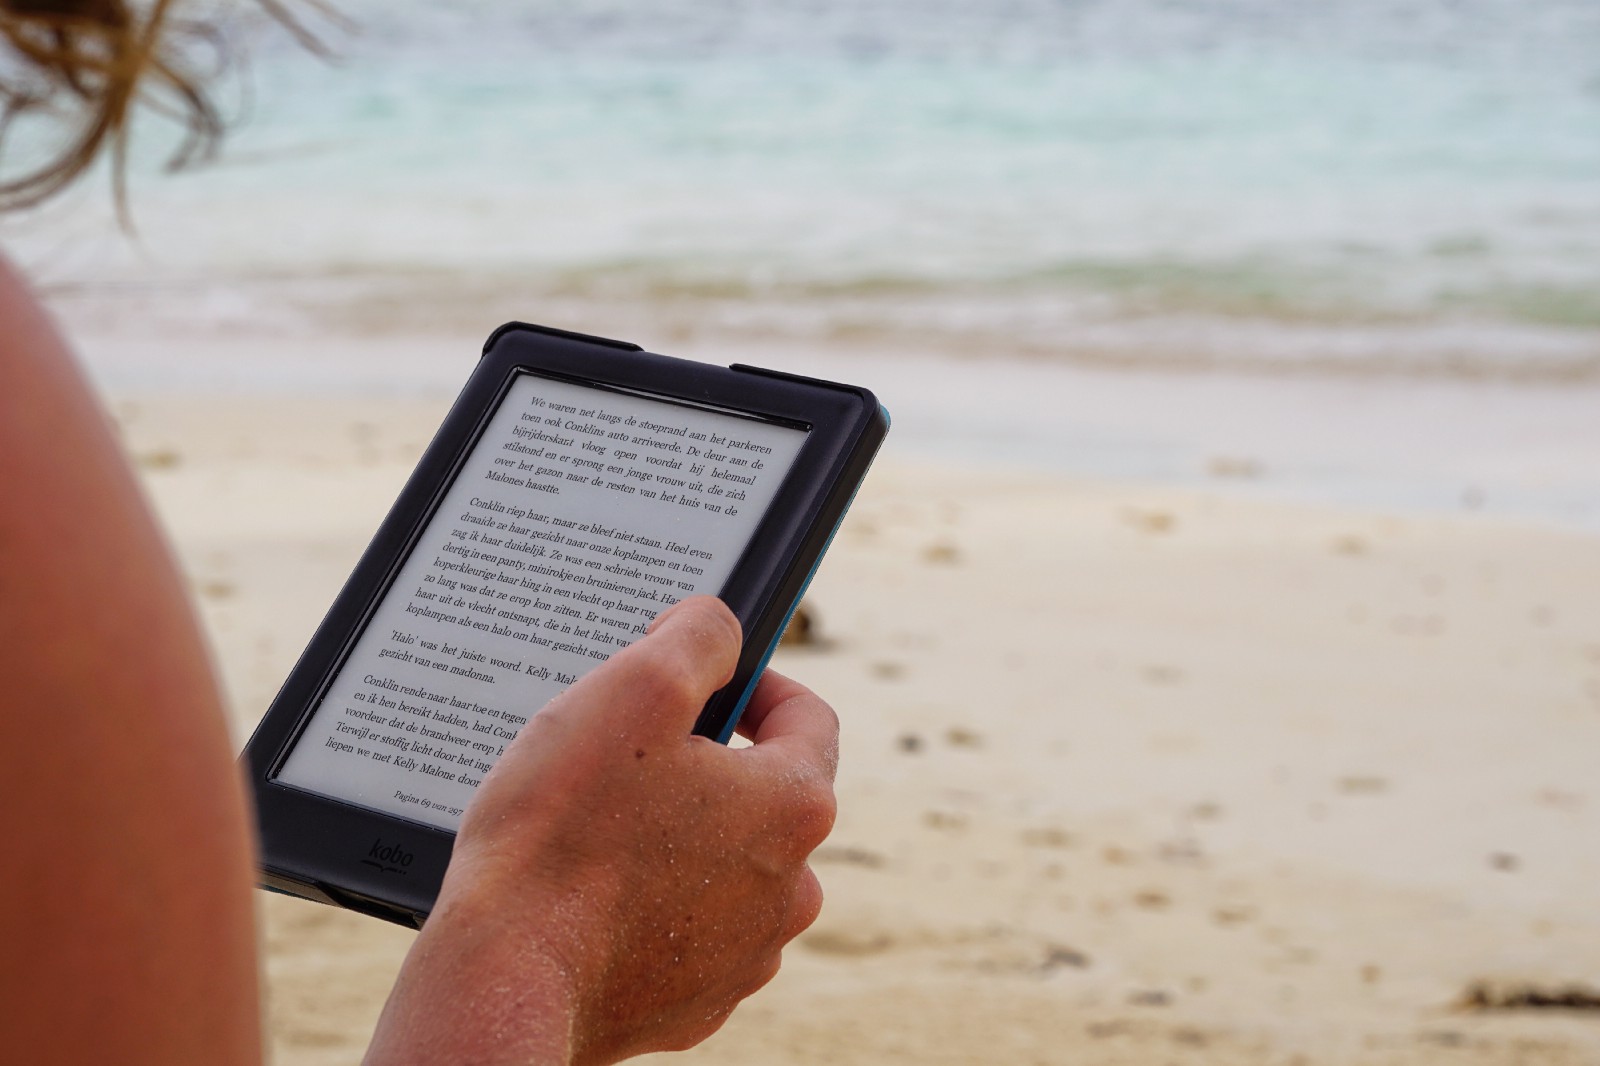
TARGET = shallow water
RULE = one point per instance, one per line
(1078, 209)
(1364, 184)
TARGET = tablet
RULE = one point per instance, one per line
(578, 487)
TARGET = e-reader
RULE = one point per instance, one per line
(577, 487)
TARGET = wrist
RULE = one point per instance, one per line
(472, 992)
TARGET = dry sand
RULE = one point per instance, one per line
(1130, 775)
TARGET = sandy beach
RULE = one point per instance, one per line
(1132, 773)
(1217, 639)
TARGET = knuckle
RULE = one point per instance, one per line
(707, 624)
(830, 753)
(761, 975)
(692, 1035)
(663, 677)
(714, 637)
(831, 717)
(721, 616)
(714, 1008)
(813, 815)
(807, 903)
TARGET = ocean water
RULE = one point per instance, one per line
(1379, 185)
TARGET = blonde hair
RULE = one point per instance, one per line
(94, 62)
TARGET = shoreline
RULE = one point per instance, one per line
(1048, 323)
(1528, 450)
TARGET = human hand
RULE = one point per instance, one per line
(618, 885)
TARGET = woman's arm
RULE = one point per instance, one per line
(125, 896)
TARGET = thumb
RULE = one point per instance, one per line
(660, 682)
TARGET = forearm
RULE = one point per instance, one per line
(471, 993)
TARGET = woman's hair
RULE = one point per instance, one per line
(92, 63)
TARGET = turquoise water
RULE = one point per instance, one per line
(1411, 181)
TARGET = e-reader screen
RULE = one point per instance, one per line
(579, 515)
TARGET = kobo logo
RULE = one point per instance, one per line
(388, 858)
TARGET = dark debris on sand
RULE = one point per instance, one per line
(802, 631)
(1490, 996)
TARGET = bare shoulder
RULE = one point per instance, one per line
(128, 918)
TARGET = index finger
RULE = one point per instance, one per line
(785, 717)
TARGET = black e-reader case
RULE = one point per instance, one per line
(381, 864)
